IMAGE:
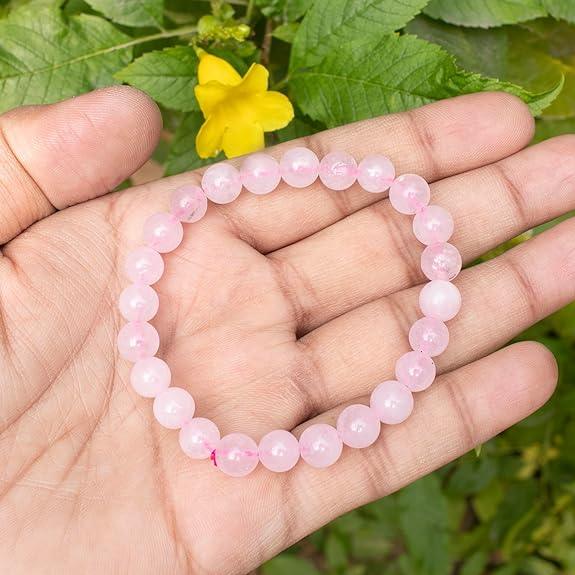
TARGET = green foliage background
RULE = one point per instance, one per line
(508, 509)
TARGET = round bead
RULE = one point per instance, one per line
(409, 194)
(236, 454)
(320, 445)
(150, 376)
(433, 225)
(163, 232)
(222, 183)
(189, 204)
(299, 167)
(144, 265)
(174, 407)
(441, 262)
(440, 299)
(138, 302)
(392, 402)
(279, 450)
(138, 340)
(375, 174)
(429, 336)
(358, 426)
(199, 437)
(415, 370)
(260, 174)
(338, 171)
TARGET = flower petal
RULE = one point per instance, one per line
(212, 68)
(209, 137)
(210, 95)
(273, 110)
(243, 138)
(255, 80)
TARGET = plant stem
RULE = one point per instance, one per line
(250, 10)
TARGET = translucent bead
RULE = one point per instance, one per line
(415, 370)
(392, 402)
(138, 302)
(338, 171)
(163, 232)
(299, 167)
(433, 225)
(150, 376)
(174, 407)
(429, 336)
(440, 299)
(144, 265)
(441, 262)
(138, 340)
(375, 174)
(189, 204)
(320, 445)
(236, 454)
(409, 194)
(199, 437)
(260, 174)
(222, 183)
(279, 450)
(358, 426)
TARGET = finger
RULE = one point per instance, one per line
(57, 155)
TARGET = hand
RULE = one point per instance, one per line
(274, 311)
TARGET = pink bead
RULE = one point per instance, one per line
(375, 174)
(320, 445)
(440, 299)
(260, 174)
(150, 376)
(279, 450)
(174, 407)
(409, 194)
(441, 262)
(236, 454)
(429, 336)
(199, 437)
(415, 370)
(163, 232)
(392, 402)
(222, 183)
(299, 167)
(144, 265)
(138, 340)
(433, 225)
(338, 171)
(189, 203)
(138, 302)
(358, 426)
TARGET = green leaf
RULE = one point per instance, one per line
(134, 13)
(288, 565)
(562, 9)
(335, 551)
(472, 475)
(286, 32)
(295, 9)
(168, 76)
(475, 564)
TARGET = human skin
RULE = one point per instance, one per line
(275, 311)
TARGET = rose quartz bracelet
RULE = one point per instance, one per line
(358, 426)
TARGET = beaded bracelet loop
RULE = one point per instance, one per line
(358, 426)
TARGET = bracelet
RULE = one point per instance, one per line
(358, 426)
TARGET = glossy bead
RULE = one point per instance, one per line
(163, 232)
(260, 174)
(189, 203)
(441, 262)
(138, 302)
(174, 407)
(144, 265)
(299, 167)
(279, 450)
(429, 336)
(199, 437)
(433, 225)
(392, 402)
(415, 370)
(440, 299)
(320, 445)
(338, 171)
(375, 174)
(222, 183)
(409, 194)
(150, 376)
(138, 340)
(358, 426)
(236, 454)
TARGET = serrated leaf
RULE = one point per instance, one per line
(562, 9)
(135, 13)
(288, 565)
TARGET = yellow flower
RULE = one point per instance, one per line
(237, 110)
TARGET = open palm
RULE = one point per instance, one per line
(274, 311)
